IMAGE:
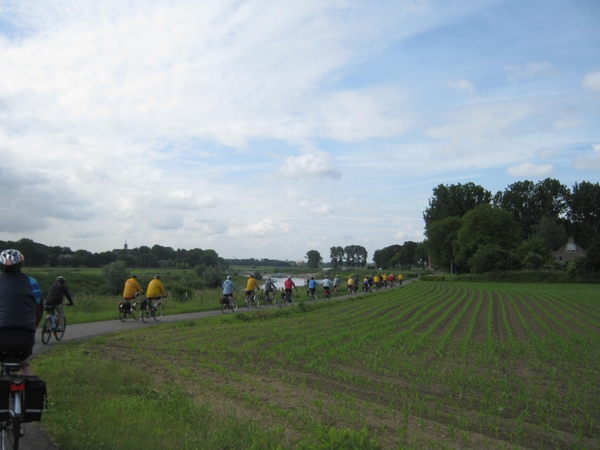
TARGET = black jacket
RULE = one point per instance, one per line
(17, 302)
(56, 293)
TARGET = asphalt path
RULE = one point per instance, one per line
(35, 438)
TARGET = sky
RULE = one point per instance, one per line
(266, 129)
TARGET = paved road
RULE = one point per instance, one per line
(35, 438)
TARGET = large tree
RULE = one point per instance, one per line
(529, 202)
(441, 240)
(337, 256)
(313, 259)
(454, 200)
(486, 225)
(584, 212)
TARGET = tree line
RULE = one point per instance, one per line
(470, 230)
(37, 255)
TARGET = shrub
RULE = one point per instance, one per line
(115, 274)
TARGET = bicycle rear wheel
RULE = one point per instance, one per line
(10, 434)
(234, 306)
(256, 302)
(47, 331)
(136, 311)
(146, 314)
(59, 334)
(123, 315)
(158, 312)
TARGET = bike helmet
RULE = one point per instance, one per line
(229, 277)
(157, 276)
(61, 279)
(251, 276)
(11, 257)
(134, 276)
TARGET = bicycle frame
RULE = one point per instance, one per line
(10, 429)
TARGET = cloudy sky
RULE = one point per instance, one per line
(268, 128)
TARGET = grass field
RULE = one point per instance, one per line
(431, 365)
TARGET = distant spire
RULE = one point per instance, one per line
(125, 246)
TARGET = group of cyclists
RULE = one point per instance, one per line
(154, 293)
(330, 287)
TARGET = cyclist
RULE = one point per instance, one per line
(155, 291)
(400, 278)
(228, 288)
(57, 292)
(351, 285)
(269, 287)
(251, 285)
(326, 286)
(366, 283)
(289, 285)
(336, 284)
(20, 308)
(132, 287)
(312, 286)
(377, 281)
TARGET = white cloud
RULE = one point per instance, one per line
(589, 162)
(592, 81)
(462, 85)
(531, 170)
(309, 166)
(266, 227)
(527, 71)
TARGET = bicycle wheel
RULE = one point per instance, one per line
(247, 301)
(123, 315)
(158, 312)
(224, 308)
(10, 434)
(136, 311)
(256, 302)
(147, 313)
(234, 306)
(59, 334)
(47, 330)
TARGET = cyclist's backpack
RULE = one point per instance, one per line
(35, 398)
(4, 395)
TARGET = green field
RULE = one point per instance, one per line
(431, 365)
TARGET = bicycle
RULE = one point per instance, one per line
(312, 294)
(134, 310)
(270, 298)
(228, 304)
(51, 325)
(21, 400)
(251, 300)
(150, 309)
(287, 298)
(326, 293)
(11, 410)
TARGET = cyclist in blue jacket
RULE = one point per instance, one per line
(20, 308)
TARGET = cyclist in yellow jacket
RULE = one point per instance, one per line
(156, 290)
(131, 288)
(252, 285)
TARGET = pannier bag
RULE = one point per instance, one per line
(225, 301)
(125, 306)
(35, 398)
(49, 308)
(4, 394)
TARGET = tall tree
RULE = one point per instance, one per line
(441, 240)
(313, 259)
(337, 256)
(454, 201)
(529, 202)
(486, 226)
(584, 212)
